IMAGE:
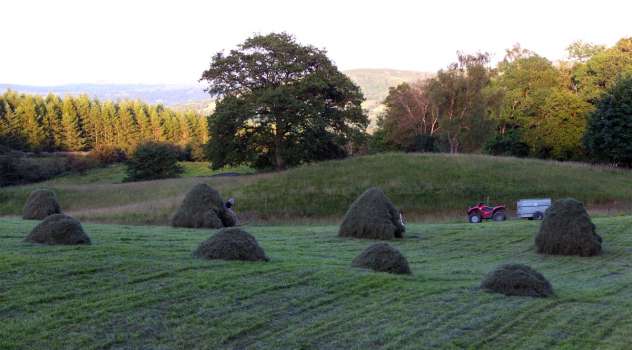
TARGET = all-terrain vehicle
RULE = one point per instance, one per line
(480, 212)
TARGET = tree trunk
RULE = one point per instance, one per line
(278, 159)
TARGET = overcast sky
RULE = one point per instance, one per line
(59, 42)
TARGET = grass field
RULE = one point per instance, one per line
(428, 187)
(139, 288)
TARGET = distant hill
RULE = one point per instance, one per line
(166, 94)
(373, 82)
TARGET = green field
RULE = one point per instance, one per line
(140, 288)
(428, 187)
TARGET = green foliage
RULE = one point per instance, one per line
(609, 134)
(603, 69)
(151, 161)
(281, 104)
(507, 144)
(33, 123)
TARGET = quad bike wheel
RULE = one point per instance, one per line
(475, 218)
(538, 216)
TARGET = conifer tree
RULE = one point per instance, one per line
(74, 139)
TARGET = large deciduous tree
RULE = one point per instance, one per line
(410, 118)
(463, 101)
(280, 103)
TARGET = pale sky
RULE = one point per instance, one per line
(59, 42)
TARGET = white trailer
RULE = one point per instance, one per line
(533, 208)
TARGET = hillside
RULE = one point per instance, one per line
(428, 187)
(140, 288)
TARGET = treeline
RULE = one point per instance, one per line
(524, 106)
(51, 123)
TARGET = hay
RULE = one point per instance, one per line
(568, 230)
(202, 207)
(40, 204)
(231, 244)
(382, 257)
(372, 216)
(58, 229)
(517, 280)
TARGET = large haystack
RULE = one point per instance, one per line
(382, 257)
(231, 244)
(372, 216)
(567, 230)
(58, 229)
(517, 279)
(40, 204)
(202, 207)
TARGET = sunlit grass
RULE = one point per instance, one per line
(139, 287)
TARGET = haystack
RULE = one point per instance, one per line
(202, 207)
(382, 257)
(58, 229)
(568, 230)
(40, 204)
(372, 216)
(518, 280)
(231, 244)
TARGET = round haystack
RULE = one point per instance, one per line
(231, 244)
(372, 216)
(58, 229)
(202, 207)
(567, 230)
(517, 279)
(40, 204)
(382, 257)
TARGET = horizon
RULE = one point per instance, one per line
(164, 43)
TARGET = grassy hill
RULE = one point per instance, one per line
(140, 288)
(428, 187)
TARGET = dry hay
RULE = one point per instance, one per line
(567, 230)
(231, 244)
(372, 216)
(517, 280)
(203, 207)
(40, 204)
(58, 229)
(382, 257)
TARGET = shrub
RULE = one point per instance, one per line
(153, 161)
(108, 154)
(17, 170)
(81, 164)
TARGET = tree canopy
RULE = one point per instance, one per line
(280, 104)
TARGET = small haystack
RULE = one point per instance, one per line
(231, 244)
(58, 229)
(202, 207)
(40, 204)
(382, 257)
(372, 216)
(568, 230)
(518, 280)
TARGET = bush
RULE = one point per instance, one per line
(508, 144)
(17, 170)
(108, 154)
(152, 161)
(81, 164)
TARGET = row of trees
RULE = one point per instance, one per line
(51, 123)
(524, 106)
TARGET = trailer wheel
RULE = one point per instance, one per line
(475, 218)
(538, 215)
(499, 216)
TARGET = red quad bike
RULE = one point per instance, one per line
(477, 213)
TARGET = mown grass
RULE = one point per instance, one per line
(139, 287)
(428, 187)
